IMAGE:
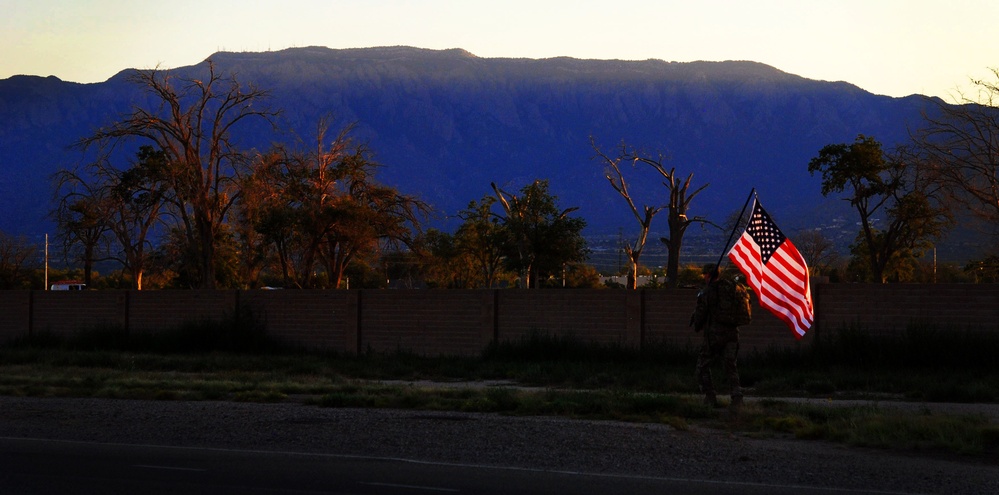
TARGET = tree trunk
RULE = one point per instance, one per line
(206, 251)
(88, 265)
(632, 268)
(673, 245)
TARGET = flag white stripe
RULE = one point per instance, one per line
(792, 297)
(788, 306)
(781, 284)
(791, 291)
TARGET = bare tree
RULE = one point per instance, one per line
(676, 206)
(81, 215)
(110, 213)
(192, 123)
(818, 249)
(134, 205)
(962, 144)
(615, 176)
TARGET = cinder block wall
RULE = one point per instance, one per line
(893, 307)
(430, 322)
(65, 312)
(15, 314)
(311, 319)
(601, 316)
(151, 311)
(464, 322)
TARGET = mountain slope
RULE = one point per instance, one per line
(444, 124)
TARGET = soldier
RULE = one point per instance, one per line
(720, 340)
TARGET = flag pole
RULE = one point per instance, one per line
(730, 236)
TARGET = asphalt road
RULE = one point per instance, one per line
(45, 466)
(106, 446)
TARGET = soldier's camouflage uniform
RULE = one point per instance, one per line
(720, 341)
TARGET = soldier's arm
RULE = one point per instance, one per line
(700, 315)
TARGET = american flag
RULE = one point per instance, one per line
(775, 270)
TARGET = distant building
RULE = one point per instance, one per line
(68, 285)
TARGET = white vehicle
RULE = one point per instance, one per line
(68, 285)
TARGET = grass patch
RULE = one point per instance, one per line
(877, 427)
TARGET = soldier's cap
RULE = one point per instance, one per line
(708, 268)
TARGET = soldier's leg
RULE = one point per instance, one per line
(703, 374)
(730, 357)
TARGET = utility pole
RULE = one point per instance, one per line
(934, 264)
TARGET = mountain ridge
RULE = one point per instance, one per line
(446, 123)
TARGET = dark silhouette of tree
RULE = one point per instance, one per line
(110, 213)
(441, 262)
(582, 276)
(81, 215)
(134, 205)
(480, 237)
(541, 239)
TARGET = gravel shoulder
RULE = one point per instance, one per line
(988, 410)
(488, 439)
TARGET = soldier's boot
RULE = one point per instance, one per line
(710, 400)
(736, 402)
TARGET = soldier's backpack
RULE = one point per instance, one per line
(733, 304)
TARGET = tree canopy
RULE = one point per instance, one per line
(192, 121)
(895, 188)
(540, 239)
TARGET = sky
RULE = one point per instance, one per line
(888, 47)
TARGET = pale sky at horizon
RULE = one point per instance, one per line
(890, 47)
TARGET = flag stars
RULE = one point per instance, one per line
(765, 232)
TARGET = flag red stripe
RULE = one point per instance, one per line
(745, 255)
(784, 305)
(781, 284)
(791, 301)
(794, 276)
